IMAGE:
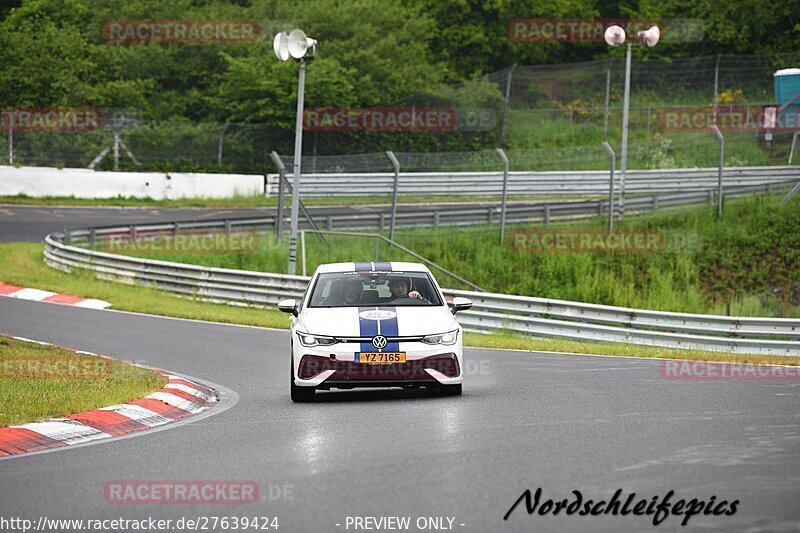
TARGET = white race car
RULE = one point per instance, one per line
(374, 324)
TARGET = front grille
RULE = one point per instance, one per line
(312, 365)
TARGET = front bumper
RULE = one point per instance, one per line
(436, 365)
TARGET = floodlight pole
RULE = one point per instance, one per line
(298, 149)
(625, 110)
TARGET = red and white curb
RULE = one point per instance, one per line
(37, 295)
(178, 399)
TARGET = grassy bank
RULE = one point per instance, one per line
(39, 382)
(746, 264)
(21, 264)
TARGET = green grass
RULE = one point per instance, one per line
(32, 387)
(256, 201)
(547, 143)
(740, 264)
(507, 340)
(21, 264)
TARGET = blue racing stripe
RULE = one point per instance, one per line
(383, 266)
(367, 328)
(363, 266)
(389, 329)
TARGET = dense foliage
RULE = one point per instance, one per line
(372, 53)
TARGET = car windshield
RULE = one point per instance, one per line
(354, 289)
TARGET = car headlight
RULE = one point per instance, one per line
(309, 340)
(442, 338)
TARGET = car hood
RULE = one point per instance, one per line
(355, 321)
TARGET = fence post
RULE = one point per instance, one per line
(716, 89)
(504, 126)
(613, 158)
(721, 141)
(504, 158)
(281, 178)
(221, 138)
(10, 116)
(608, 93)
(396, 165)
(116, 150)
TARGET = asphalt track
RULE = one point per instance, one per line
(23, 223)
(526, 420)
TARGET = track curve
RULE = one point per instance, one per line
(526, 420)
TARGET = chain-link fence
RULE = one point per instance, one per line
(549, 117)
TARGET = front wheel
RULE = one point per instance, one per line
(299, 394)
(450, 390)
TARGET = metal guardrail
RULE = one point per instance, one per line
(434, 216)
(548, 183)
(491, 312)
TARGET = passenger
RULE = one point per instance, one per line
(351, 292)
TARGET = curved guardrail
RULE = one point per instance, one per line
(534, 316)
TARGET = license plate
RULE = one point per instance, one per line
(380, 358)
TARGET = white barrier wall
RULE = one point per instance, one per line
(85, 183)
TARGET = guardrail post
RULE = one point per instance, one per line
(655, 203)
(791, 194)
(281, 178)
(613, 160)
(67, 236)
(794, 145)
(504, 158)
(546, 215)
(436, 219)
(132, 233)
(329, 222)
(176, 228)
(396, 165)
(721, 141)
(92, 237)
(227, 226)
(381, 222)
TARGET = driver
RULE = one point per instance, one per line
(399, 288)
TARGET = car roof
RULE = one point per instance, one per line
(373, 266)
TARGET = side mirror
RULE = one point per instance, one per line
(460, 304)
(288, 306)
